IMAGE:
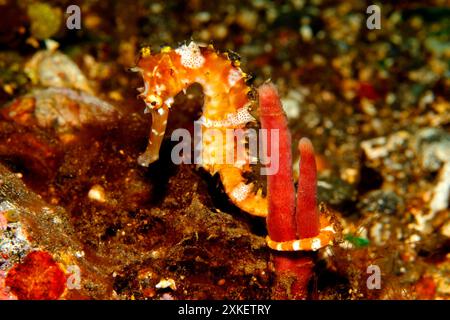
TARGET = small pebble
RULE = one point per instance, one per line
(97, 193)
(166, 283)
(381, 201)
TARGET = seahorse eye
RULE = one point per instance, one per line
(153, 101)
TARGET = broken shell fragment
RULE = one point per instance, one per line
(50, 68)
(60, 108)
(97, 193)
(38, 277)
(166, 283)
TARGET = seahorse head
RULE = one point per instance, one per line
(161, 82)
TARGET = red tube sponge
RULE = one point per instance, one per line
(306, 210)
(281, 191)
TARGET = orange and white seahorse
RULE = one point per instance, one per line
(226, 106)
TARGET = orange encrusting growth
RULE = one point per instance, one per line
(37, 277)
(226, 105)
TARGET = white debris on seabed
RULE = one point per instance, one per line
(166, 283)
(441, 192)
(306, 33)
(292, 102)
(382, 146)
(97, 193)
(433, 147)
(375, 148)
(167, 296)
(403, 154)
(380, 232)
(13, 241)
(79, 254)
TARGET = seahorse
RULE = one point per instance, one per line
(226, 106)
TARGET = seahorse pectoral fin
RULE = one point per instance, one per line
(156, 136)
(242, 194)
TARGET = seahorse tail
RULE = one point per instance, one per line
(242, 194)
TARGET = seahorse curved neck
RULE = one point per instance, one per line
(223, 82)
